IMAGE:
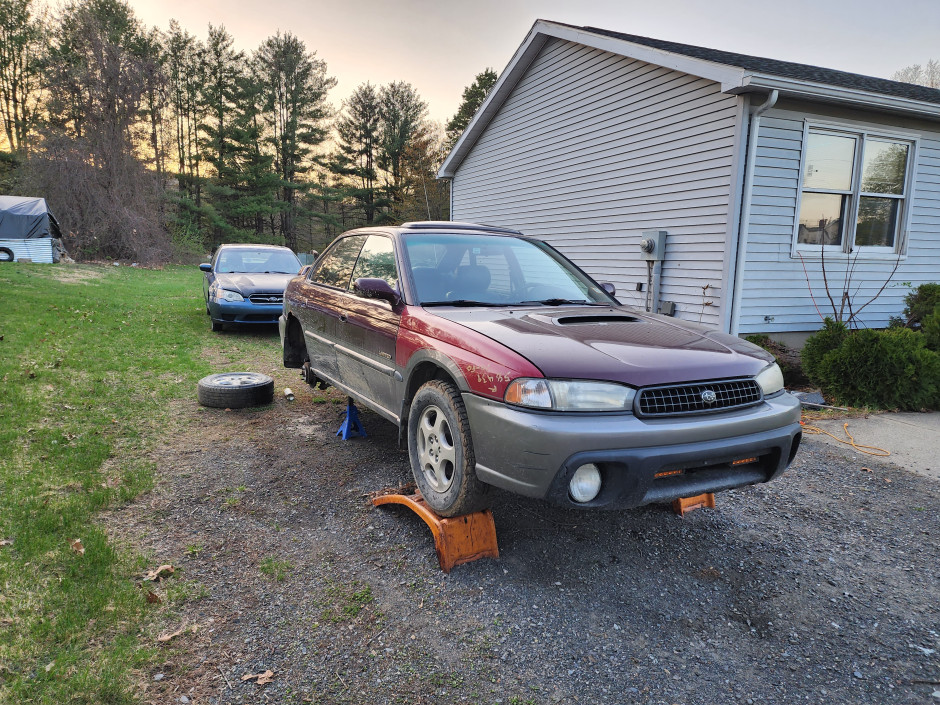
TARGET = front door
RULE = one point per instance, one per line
(367, 330)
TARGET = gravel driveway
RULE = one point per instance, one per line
(823, 586)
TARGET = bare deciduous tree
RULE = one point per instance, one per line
(20, 52)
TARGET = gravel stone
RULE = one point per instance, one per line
(783, 592)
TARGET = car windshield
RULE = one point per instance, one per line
(450, 269)
(245, 260)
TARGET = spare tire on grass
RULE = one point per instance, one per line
(236, 390)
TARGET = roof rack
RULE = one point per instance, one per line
(454, 225)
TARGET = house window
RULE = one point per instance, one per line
(853, 193)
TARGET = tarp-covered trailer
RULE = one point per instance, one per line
(27, 229)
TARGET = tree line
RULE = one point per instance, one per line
(148, 143)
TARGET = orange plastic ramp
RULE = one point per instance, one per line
(684, 505)
(459, 539)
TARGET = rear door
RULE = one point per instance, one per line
(321, 300)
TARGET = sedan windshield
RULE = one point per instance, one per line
(244, 260)
(450, 269)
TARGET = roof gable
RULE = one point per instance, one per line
(737, 73)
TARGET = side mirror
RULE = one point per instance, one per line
(303, 270)
(205, 267)
(609, 288)
(370, 288)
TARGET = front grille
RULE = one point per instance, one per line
(688, 398)
(272, 298)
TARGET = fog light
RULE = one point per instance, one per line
(585, 483)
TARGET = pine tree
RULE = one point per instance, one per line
(473, 97)
(402, 112)
(294, 88)
(358, 134)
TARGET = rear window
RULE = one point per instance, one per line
(256, 261)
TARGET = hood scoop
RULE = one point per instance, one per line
(594, 320)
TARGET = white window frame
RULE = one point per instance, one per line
(848, 249)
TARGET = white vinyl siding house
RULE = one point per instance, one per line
(775, 282)
(591, 149)
(591, 138)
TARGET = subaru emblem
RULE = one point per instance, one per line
(709, 396)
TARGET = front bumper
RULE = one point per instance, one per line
(536, 453)
(244, 312)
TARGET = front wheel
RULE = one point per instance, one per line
(441, 451)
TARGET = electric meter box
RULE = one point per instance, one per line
(653, 245)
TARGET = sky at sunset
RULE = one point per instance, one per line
(439, 46)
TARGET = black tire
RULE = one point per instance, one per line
(6, 254)
(217, 326)
(441, 451)
(236, 390)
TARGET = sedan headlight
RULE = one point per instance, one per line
(227, 295)
(564, 395)
(770, 379)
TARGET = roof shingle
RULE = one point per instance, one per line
(785, 69)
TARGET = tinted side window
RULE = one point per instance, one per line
(336, 266)
(377, 260)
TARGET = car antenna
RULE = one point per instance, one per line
(426, 201)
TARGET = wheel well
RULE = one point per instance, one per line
(425, 372)
(295, 351)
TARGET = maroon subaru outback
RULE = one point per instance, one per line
(506, 365)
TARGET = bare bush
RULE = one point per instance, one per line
(111, 213)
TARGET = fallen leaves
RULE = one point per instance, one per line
(152, 597)
(77, 546)
(157, 574)
(164, 638)
(262, 678)
(6, 542)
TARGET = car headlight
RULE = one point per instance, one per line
(564, 395)
(770, 379)
(227, 295)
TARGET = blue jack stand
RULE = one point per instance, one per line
(352, 426)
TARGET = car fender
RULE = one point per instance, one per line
(439, 359)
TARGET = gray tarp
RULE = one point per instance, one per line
(23, 218)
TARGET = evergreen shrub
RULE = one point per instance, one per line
(931, 330)
(921, 303)
(887, 369)
(818, 345)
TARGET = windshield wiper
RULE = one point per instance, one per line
(462, 302)
(564, 302)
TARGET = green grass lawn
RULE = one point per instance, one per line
(90, 360)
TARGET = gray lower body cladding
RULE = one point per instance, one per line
(641, 460)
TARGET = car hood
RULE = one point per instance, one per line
(248, 284)
(614, 343)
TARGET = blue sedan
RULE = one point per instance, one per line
(245, 284)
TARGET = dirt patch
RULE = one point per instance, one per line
(820, 586)
(74, 273)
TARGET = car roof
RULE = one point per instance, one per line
(242, 245)
(439, 227)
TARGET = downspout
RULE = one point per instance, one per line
(744, 223)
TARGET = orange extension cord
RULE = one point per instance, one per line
(867, 450)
